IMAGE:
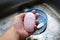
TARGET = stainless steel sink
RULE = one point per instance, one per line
(53, 26)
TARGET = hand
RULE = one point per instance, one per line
(19, 27)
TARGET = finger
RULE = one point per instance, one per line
(22, 33)
(36, 22)
(37, 15)
(17, 21)
(33, 11)
(35, 28)
(21, 15)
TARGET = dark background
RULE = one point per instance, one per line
(8, 6)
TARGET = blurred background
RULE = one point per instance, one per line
(10, 8)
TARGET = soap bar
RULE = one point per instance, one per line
(29, 21)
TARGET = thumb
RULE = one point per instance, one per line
(21, 15)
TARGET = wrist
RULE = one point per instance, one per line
(12, 34)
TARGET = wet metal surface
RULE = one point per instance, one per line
(53, 26)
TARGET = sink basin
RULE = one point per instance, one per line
(52, 31)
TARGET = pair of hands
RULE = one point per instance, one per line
(19, 26)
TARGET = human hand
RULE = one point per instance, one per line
(19, 26)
